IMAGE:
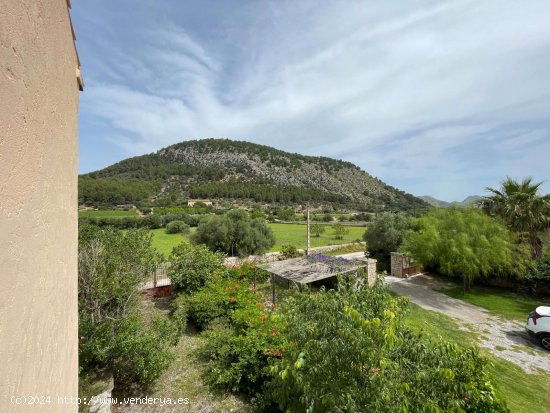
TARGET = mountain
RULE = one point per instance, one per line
(443, 204)
(226, 169)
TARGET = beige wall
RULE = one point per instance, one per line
(38, 199)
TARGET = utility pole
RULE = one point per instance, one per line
(308, 229)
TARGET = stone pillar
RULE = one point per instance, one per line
(372, 275)
(397, 264)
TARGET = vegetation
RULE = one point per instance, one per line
(235, 233)
(290, 251)
(295, 234)
(164, 243)
(317, 230)
(510, 306)
(522, 208)
(177, 227)
(525, 393)
(385, 235)
(107, 213)
(339, 231)
(113, 335)
(463, 243)
(216, 168)
(538, 276)
(194, 266)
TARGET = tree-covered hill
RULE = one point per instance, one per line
(221, 168)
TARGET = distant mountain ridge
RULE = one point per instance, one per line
(221, 168)
(443, 204)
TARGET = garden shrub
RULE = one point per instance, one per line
(218, 299)
(193, 266)
(347, 351)
(248, 271)
(140, 353)
(179, 311)
(177, 227)
(289, 251)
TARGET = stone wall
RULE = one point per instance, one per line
(38, 199)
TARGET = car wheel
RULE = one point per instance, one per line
(544, 341)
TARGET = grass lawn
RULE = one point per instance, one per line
(524, 393)
(166, 242)
(115, 213)
(499, 302)
(295, 234)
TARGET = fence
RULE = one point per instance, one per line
(159, 278)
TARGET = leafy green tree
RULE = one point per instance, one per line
(194, 266)
(382, 366)
(339, 231)
(385, 235)
(522, 208)
(317, 229)
(177, 227)
(462, 243)
(235, 233)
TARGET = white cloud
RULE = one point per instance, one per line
(369, 80)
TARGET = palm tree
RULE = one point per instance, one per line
(522, 208)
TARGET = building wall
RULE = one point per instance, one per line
(38, 206)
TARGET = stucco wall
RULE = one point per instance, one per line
(38, 199)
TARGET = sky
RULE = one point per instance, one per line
(438, 97)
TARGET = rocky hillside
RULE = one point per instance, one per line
(443, 204)
(219, 168)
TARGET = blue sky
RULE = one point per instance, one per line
(434, 97)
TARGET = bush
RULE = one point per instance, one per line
(538, 276)
(140, 353)
(382, 367)
(177, 227)
(339, 231)
(289, 251)
(193, 266)
(248, 272)
(218, 300)
(179, 310)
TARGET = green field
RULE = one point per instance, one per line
(108, 213)
(295, 234)
(285, 234)
(524, 393)
(166, 242)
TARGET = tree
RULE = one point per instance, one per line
(317, 229)
(385, 235)
(177, 227)
(194, 266)
(339, 231)
(522, 208)
(235, 233)
(463, 243)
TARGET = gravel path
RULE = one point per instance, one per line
(504, 338)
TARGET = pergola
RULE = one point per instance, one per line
(308, 270)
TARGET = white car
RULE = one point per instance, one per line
(538, 326)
